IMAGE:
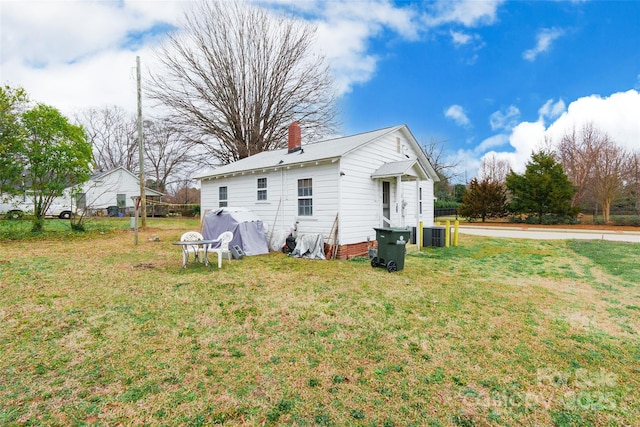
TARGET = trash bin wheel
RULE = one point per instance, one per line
(375, 262)
(392, 266)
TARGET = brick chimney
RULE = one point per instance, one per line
(295, 138)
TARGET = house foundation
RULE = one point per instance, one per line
(354, 250)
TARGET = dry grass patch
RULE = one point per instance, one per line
(98, 331)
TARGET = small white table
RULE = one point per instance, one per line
(198, 244)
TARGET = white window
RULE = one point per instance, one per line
(222, 197)
(305, 200)
(121, 200)
(81, 200)
(262, 188)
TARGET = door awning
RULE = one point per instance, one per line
(407, 169)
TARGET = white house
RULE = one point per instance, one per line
(351, 184)
(115, 187)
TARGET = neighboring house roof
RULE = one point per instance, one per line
(317, 151)
(102, 174)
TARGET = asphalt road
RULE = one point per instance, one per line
(550, 233)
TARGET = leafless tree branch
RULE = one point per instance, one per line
(113, 136)
(235, 77)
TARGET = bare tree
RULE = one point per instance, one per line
(632, 180)
(113, 136)
(610, 163)
(494, 169)
(435, 152)
(595, 164)
(169, 155)
(235, 77)
(182, 192)
(443, 166)
(577, 154)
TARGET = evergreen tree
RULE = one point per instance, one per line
(543, 189)
(484, 199)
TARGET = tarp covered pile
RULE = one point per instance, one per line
(247, 228)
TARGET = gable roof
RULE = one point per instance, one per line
(323, 150)
(101, 174)
(394, 169)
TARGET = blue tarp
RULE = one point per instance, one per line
(247, 228)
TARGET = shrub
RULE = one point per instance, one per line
(628, 220)
(445, 204)
(546, 219)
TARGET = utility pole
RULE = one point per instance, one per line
(143, 198)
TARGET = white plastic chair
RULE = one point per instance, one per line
(190, 236)
(223, 248)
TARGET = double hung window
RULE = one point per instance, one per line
(222, 197)
(262, 189)
(305, 199)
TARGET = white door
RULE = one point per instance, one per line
(386, 204)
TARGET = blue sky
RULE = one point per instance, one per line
(484, 77)
(593, 48)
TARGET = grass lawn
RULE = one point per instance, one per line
(504, 332)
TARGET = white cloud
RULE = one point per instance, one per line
(617, 115)
(470, 41)
(345, 47)
(467, 163)
(509, 158)
(492, 142)
(70, 31)
(66, 38)
(80, 54)
(346, 28)
(544, 39)
(552, 110)
(458, 115)
(460, 38)
(526, 138)
(505, 120)
(469, 13)
(108, 79)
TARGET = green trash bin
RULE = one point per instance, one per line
(112, 210)
(392, 247)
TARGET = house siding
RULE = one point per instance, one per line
(362, 195)
(341, 186)
(280, 210)
(101, 192)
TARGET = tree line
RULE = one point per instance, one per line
(228, 85)
(585, 171)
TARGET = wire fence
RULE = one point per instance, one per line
(445, 212)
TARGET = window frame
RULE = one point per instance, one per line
(81, 200)
(121, 200)
(223, 202)
(305, 197)
(262, 189)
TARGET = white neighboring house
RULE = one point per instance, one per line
(107, 190)
(375, 179)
